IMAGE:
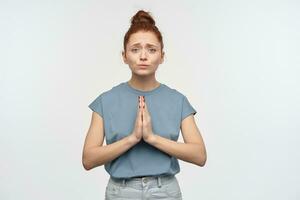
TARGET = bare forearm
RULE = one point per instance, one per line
(189, 152)
(97, 156)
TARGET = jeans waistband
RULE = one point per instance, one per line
(142, 181)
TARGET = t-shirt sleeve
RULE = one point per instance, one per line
(187, 108)
(96, 105)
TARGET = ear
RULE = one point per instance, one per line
(124, 57)
(162, 57)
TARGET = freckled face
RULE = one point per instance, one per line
(143, 53)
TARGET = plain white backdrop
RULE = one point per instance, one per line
(236, 61)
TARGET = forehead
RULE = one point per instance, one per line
(143, 38)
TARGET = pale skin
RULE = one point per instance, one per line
(143, 48)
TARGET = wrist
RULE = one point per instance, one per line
(151, 139)
(133, 139)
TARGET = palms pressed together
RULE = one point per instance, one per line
(143, 126)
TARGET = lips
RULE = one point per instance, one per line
(143, 66)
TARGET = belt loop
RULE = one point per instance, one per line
(123, 182)
(159, 181)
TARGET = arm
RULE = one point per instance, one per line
(192, 150)
(94, 154)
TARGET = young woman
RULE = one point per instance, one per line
(141, 120)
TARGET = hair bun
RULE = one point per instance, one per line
(142, 17)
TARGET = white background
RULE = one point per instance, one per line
(236, 61)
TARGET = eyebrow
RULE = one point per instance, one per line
(149, 45)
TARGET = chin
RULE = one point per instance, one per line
(139, 73)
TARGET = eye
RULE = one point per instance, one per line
(134, 50)
(152, 50)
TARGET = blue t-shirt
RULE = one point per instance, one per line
(118, 108)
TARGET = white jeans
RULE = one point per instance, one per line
(150, 187)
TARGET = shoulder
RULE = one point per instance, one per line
(174, 92)
(110, 93)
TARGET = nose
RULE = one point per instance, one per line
(143, 55)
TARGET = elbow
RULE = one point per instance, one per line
(201, 160)
(89, 163)
(202, 163)
(86, 163)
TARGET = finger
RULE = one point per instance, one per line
(145, 107)
(144, 110)
(140, 109)
(145, 113)
(141, 115)
(143, 101)
(137, 119)
(140, 101)
(144, 116)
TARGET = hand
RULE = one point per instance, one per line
(137, 133)
(146, 122)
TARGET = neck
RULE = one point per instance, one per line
(143, 83)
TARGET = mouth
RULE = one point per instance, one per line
(143, 66)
